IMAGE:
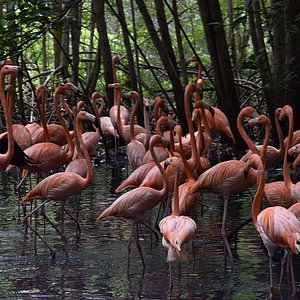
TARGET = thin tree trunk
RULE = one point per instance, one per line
(98, 6)
(228, 98)
(175, 80)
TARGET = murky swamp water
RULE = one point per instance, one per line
(96, 264)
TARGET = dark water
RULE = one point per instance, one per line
(96, 265)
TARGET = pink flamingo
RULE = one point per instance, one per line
(177, 231)
(60, 186)
(278, 227)
(134, 203)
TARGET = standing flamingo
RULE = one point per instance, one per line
(60, 186)
(133, 204)
(135, 149)
(278, 227)
(273, 155)
(47, 156)
(177, 230)
(10, 151)
(229, 177)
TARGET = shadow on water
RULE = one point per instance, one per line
(96, 265)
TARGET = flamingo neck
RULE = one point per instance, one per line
(286, 166)
(63, 123)
(244, 135)
(175, 202)
(164, 190)
(78, 129)
(258, 195)
(188, 91)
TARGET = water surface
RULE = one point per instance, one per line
(96, 264)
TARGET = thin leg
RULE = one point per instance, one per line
(138, 245)
(227, 249)
(271, 275)
(282, 263)
(290, 258)
(129, 247)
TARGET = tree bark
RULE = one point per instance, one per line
(98, 7)
(175, 80)
(227, 96)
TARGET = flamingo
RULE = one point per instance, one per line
(177, 230)
(10, 151)
(229, 177)
(134, 203)
(161, 152)
(91, 138)
(54, 133)
(60, 186)
(275, 192)
(273, 155)
(135, 149)
(47, 156)
(278, 227)
(294, 189)
(160, 107)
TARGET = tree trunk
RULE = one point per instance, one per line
(57, 32)
(98, 7)
(175, 81)
(75, 35)
(227, 96)
(292, 23)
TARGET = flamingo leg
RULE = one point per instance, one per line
(271, 275)
(129, 247)
(290, 258)
(138, 245)
(78, 230)
(227, 249)
(283, 262)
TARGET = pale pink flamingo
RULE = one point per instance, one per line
(134, 203)
(276, 193)
(177, 230)
(229, 177)
(278, 227)
(60, 186)
(47, 156)
(10, 152)
(273, 155)
(135, 149)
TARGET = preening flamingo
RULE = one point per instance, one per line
(133, 204)
(10, 151)
(177, 230)
(60, 186)
(229, 177)
(278, 227)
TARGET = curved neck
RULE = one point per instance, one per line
(155, 140)
(7, 104)
(60, 93)
(41, 98)
(78, 129)
(175, 202)
(97, 112)
(244, 135)
(190, 88)
(135, 97)
(279, 133)
(258, 195)
(286, 165)
(186, 166)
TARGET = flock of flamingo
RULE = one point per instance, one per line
(171, 171)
